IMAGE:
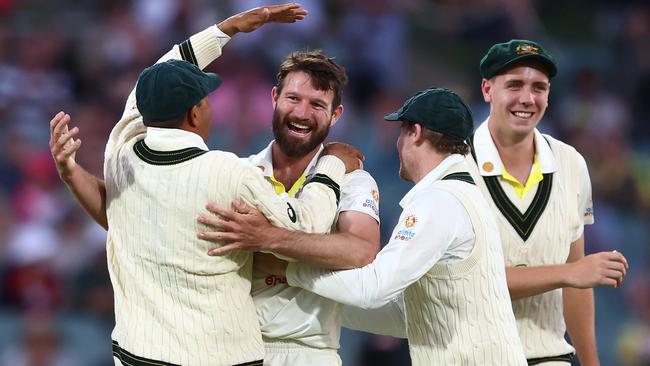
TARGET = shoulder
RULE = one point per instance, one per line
(359, 178)
(566, 153)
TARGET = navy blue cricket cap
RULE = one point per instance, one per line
(439, 110)
(503, 56)
(167, 90)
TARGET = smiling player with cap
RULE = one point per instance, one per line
(444, 253)
(539, 190)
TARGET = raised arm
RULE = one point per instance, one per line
(87, 189)
(201, 49)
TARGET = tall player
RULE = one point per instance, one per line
(539, 189)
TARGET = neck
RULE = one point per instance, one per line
(514, 150)
(287, 169)
(425, 163)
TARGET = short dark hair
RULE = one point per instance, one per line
(325, 74)
(172, 123)
(442, 143)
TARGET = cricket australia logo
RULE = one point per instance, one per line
(410, 221)
(375, 195)
(524, 49)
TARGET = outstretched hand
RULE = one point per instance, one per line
(252, 19)
(63, 146)
(242, 228)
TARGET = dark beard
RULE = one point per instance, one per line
(293, 148)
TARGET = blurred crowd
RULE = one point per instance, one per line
(83, 57)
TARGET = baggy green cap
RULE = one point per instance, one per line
(503, 55)
(167, 90)
(439, 110)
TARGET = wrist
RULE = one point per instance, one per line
(567, 278)
(228, 27)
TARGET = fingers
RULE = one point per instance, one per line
(56, 120)
(65, 138)
(58, 126)
(615, 255)
(223, 250)
(240, 207)
(217, 223)
(220, 211)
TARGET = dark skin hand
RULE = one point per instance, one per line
(250, 20)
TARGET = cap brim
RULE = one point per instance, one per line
(214, 81)
(392, 117)
(548, 65)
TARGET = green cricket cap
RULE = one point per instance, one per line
(502, 56)
(439, 110)
(167, 90)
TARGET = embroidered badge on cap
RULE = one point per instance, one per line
(524, 49)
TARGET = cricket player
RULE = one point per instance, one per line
(444, 254)
(298, 326)
(174, 305)
(539, 190)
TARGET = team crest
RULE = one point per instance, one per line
(410, 221)
(524, 49)
(375, 195)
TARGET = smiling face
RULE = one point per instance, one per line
(302, 114)
(518, 99)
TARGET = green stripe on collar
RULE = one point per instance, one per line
(155, 157)
(522, 223)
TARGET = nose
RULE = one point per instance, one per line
(301, 111)
(526, 98)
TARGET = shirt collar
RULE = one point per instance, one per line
(264, 160)
(431, 177)
(169, 139)
(488, 159)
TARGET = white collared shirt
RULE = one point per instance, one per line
(434, 227)
(168, 139)
(488, 155)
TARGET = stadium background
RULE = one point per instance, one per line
(84, 57)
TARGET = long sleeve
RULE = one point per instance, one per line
(431, 223)
(200, 49)
(388, 320)
(313, 212)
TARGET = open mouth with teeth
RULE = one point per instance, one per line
(524, 115)
(299, 128)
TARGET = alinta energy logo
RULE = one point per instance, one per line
(407, 234)
(372, 203)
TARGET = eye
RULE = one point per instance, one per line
(318, 106)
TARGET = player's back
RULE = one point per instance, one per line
(173, 302)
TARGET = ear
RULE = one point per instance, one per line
(192, 115)
(274, 96)
(336, 115)
(486, 88)
(416, 132)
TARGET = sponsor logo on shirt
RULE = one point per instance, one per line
(410, 221)
(372, 204)
(273, 280)
(589, 212)
(291, 212)
(404, 235)
(375, 195)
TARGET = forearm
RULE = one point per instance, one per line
(90, 192)
(579, 317)
(333, 251)
(530, 281)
